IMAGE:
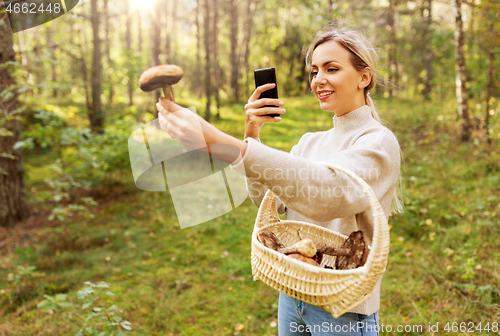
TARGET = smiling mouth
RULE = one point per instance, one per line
(325, 95)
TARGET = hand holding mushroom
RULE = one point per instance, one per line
(185, 126)
(182, 124)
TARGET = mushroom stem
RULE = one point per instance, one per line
(167, 92)
(306, 247)
(333, 251)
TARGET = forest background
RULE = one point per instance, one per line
(84, 251)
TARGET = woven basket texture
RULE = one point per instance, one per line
(336, 291)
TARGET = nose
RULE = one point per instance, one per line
(319, 80)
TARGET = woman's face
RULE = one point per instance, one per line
(333, 74)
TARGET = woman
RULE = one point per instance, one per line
(343, 71)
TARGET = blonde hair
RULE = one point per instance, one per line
(363, 56)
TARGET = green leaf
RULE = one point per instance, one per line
(50, 298)
(87, 304)
(5, 132)
(27, 143)
(43, 304)
(3, 172)
(126, 325)
(64, 304)
(8, 156)
(61, 297)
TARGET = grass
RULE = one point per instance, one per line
(443, 265)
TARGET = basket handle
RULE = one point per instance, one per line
(269, 214)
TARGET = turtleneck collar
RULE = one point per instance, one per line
(352, 120)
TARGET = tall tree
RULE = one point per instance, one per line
(107, 28)
(156, 40)
(96, 116)
(13, 207)
(234, 57)
(208, 63)
(393, 49)
(461, 75)
(139, 31)
(199, 89)
(245, 46)
(51, 46)
(428, 46)
(216, 55)
(128, 41)
(83, 60)
(490, 41)
(172, 33)
(168, 30)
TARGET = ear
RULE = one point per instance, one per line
(365, 78)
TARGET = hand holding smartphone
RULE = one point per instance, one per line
(266, 76)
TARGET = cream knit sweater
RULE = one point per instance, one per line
(313, 193)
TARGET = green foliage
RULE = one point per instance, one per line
(105, 153)
(61, 183)
(51, 303)
(103, 318)
(198, 280)
(23, 274)
(49, 130)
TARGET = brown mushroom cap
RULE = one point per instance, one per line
(359, 252)
(158, 76)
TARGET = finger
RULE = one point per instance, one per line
(268, 119)
(169, 105)
(256, 94)
(164, 112)
(268, 101)
(270, 110)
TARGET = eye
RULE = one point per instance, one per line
(333, 69)
(313, 73)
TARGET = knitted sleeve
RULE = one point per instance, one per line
(317, 192)
(257, 190)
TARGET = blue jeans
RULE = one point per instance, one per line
(298, 318)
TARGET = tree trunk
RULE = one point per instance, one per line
(96, 117)
(167, 29)
(208, 65)
(128, 41)
(84, 66)
(245, 52)
(216, 56)
(139, 32)
(50, 43)
(393, 49)
(199, 89)
(489, 85)
(461, 74)
(173, 44)
(108, 54)
(234, 50)
(13, 207)
(156, 47)
(429, 54)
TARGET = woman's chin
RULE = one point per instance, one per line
(326, 107)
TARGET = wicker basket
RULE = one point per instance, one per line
(336, 291)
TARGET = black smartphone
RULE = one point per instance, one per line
(266, 76)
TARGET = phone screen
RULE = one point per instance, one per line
(266, 76)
